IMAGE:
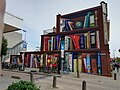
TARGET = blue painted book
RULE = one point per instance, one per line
(88, 66)
(67, 28)
(58, 43)
(82, 41)
(99, 64)
(62, 43)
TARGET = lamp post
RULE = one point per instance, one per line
(24, 49)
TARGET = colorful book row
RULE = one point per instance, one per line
(85, 20)
(87, 40)
(85, 62)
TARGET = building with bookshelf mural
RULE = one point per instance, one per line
(80, 41)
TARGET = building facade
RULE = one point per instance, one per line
(12, 24)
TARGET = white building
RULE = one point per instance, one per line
(15, 43)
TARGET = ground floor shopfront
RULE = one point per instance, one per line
(90, 63)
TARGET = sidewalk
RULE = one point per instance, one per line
(65, 82)
(5, 82)
(70, 82)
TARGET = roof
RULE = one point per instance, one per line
(12, 23)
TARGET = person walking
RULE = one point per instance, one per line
(117, 66)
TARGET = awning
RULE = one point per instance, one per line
(9, 28)
(12, 23)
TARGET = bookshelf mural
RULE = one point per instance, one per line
(79, 44)
(87, 62)
(81, 36)
(15, 59)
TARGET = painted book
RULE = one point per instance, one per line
(80, 63)
(51, 43)
(97, 40)
(46, 41)
(71, 25)
(58, 42)
(67, 28)
(28, 60)
(85, 66)
(76, 60)
(31, 60)
(70, 61)
(66, 42)
(48, 60)
(75, 39)
(75, 65)
(82, 41)
(99, 64)
(92, 20)
(85, 40)
(93, 39)
(69, 38)
(41, 60)
(62, 25)
(88, 40)
(88, 63)
(96, 18)
(84, 62)
(62, 43)
(54, 42)
(86, 22)
(93, 64)
(71, 44)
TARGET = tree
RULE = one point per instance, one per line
(4, 46)
(119, 50)
(118, 59)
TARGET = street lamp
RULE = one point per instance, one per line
(24, 41)
(24, 35)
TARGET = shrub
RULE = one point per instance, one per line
(22, 85)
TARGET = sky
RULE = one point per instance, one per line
(40, 15)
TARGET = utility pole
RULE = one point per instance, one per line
(2, 11)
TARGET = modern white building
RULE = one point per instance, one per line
(12, 24)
